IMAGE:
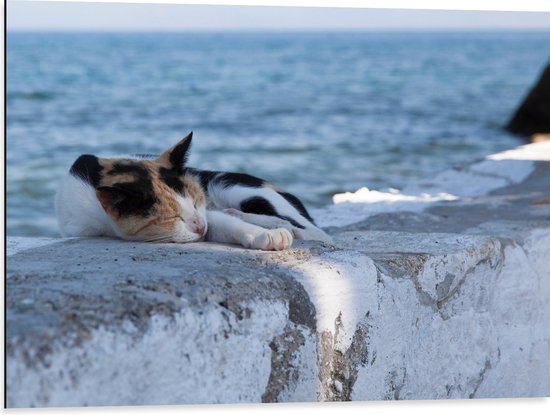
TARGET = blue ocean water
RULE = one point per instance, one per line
(317, 113)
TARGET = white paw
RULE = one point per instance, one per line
(272, 240)
(234, 212)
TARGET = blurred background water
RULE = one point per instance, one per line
(317, 113)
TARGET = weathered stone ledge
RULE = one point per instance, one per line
(448, 301)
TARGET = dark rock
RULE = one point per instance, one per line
(533, 115)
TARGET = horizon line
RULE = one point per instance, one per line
(287, 30)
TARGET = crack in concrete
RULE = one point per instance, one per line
(394, 387)
(339, 369)
(481, 378)
(400, 265)
(444, 293)
(283, 372)
(494, 264)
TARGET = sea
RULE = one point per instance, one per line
(316, 113)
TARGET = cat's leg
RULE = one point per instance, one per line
(271, 222)
(230, 229)
(265, 221)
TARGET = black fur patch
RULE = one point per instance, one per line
(132, 168)
(172, 179)
(204, 176)
(259, 206)
(88, 169)
(294, 201)
(178, 156)
(137, 197)
(232, 179)
(224, 178)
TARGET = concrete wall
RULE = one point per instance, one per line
(423, 296)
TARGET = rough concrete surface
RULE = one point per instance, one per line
(450, 300)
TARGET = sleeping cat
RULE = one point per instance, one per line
(162, 200)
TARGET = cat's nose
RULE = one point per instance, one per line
(199, 227)
(199, 230)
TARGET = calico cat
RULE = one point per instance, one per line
(162, 200)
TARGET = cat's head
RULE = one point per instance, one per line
(153, 200)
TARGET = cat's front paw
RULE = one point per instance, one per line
(273, 240)
(234, 212)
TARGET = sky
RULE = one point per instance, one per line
(63, 16)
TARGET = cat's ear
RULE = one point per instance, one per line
(113, 199)
(176, 157)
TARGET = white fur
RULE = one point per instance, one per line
(270, 222)
(229, 229)
(191, 216)
(231, 197)
(78, 211)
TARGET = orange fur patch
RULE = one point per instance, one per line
(167, 210)
(193, 189)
